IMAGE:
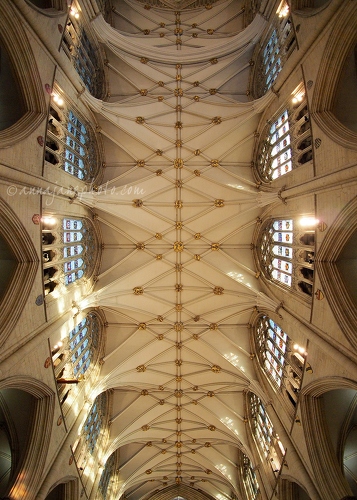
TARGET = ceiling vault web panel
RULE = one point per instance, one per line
(177, 211)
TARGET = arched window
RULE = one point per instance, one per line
(249, 478)
(69, 249)
(282, 362)
(94, 422)
(287, 253)
(266, 438)
(107, 474)
(84, 53)
(90, 441)
(277, 48)
(287, 143)
(70, 141)
(73, 356)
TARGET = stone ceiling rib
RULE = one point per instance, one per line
(132, 45)
(177, 212)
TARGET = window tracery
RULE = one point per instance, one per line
(81, 49)
(283, 367)
(287, 254)
(287, 143)
(68, 251)
(70, 141)
(267, 439)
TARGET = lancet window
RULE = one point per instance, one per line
(287, 254)
(68, 251)
(81, 49)
(287, 141)
(267, 439)
(278, 46)
(281, 361)
(70, 141)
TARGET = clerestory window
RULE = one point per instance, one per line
(267, 439)
(287, 253)
(281, 362)
(73, 356)
(277, 47)
(107, 474)
(70, 141)
(249, 479)
(287, 141)
(69, 249)
(84, 53)
(94, 422)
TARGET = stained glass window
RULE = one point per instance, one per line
(106, 475)
(276, 49)
(277, 247)
(94, 422)
(271, 59)
(69, 250)
(73, 269)
(264, 433)
(287, 254)
(83, 341)
(262, 426)
(81, 49)
(271, 343)
(287, 141)
(70, 143)
(275, 157)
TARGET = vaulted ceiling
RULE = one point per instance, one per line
(177, 210)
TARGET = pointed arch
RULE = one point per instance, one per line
(328, 472)
(26, 260)
(50, 8)
(33, 454)
(66, 489)
(341, 43)
(339, 237)
(26, 74)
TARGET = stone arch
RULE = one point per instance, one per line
(24, 65)
(338, 246)
(51, 8)
(32, 454)
(289, 489)
(341, 43)
(26, 261)
(330, 480)
(64, 489)
(307, 8)
(180, 490)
